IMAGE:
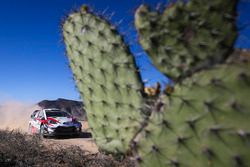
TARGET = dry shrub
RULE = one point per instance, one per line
(21, 150)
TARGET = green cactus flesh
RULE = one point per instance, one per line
(107, 79)
(205, 122)
(187, 37)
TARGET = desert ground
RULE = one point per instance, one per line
(15, 115)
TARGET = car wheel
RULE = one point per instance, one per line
(41, 132)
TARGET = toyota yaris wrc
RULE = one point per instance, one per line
(53, 122)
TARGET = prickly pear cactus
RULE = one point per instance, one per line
(187, 37)
(204, 122)
(106, 76)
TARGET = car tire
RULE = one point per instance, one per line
(41, 132)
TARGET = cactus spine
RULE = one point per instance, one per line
(204, 122)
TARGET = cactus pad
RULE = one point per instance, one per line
(187, 37)
(106, 77)
(205, 122)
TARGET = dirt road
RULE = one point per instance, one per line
(84, 141)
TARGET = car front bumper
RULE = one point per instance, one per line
(63, 131)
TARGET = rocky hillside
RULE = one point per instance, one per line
(73, 107)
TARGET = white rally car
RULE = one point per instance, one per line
(53, 122)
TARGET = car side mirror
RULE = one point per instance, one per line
(32, 116)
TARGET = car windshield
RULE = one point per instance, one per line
(57, 114)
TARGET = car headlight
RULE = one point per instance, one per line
(52, 122)
(78, 128)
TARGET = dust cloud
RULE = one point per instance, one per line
(16, 115)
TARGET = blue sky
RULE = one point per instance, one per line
(33, 64)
